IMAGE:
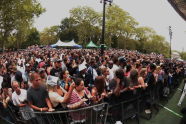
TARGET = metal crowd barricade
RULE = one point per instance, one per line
(96, 114)
(126, 108)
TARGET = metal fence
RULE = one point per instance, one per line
(96, 114)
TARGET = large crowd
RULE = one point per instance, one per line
(48, 79)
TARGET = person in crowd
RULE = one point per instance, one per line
(91, 74)
(19, 99)
(128, 70)
(133, 80)
(65, 80)
(122, 62)
(57, 69)
(37, 95)
(56, 99)
(43, 76)
(151, 79)
(141, 78)
(119, 83)
(80, 97)
(6, 95)
(105, 74)
(82, 71)
(115, 65)
(99, 91)
(111, 73)
(151, 82)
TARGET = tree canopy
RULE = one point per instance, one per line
(16, 18)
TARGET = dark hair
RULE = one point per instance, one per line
(128, 68)
(99, 84)
(32, 76)
(152, 67)
(62, 73)
(77, 81)
(138, 65)
(119, 73)
(18, 76)
(134, 76)
(4, 85)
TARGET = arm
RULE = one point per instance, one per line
(69, 93)
(37, 108)
(77, 104)
(22, 105)
(49, 104)
(117, 89)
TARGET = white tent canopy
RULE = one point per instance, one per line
(59, 43)
(66, 44)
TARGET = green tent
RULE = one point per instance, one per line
(91, 45)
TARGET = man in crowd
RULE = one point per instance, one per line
(57, 69)
(19, 99)
(37, 95)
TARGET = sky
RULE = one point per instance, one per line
(157, 14)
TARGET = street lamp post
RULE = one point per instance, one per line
(103, 24)
(170, 34)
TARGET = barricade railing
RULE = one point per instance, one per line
(124, 109)
(96, 114)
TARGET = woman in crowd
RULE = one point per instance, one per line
(98, 91)
(141, 78)
(56, 99)
(6, 94)
(65, 80)
(105, 74)
(80, 97)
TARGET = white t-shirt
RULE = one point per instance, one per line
(18, 99)
(1, 81)
(55, 98)
(114, 68)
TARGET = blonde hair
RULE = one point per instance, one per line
(142, 72)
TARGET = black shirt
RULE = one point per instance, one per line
(56, 72)
(37, 96)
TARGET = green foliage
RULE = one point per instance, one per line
(16, 17)
(87, 23)
(49, 35)
(122, 30)
(119, 23)
(183, 55)
(32, 39)
(67, 30)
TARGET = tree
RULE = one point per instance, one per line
(33, 38)
(87, 23)
(120, 24)
(183, 55)
(16, 16)
(49, 35)
(67, 30)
